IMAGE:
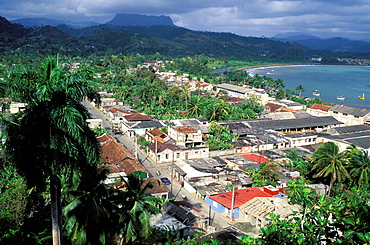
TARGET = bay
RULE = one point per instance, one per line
(331, 81)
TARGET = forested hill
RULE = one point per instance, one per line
(167, 40)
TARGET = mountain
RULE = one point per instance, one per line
(292, 37)
(168, 40)
(39, 22)
(336, 44)
(9, 30)
(140, 20)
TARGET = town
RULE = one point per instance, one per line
(211, 190)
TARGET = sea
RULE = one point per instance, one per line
(330, 81)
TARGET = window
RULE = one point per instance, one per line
(178, 155)
(167, 156)
(215, 204)
(197, 152)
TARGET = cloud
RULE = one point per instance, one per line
(324, 18)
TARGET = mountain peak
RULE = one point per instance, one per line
(140, 20)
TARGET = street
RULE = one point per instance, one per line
(176, 191)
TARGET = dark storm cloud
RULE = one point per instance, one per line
(325, 18)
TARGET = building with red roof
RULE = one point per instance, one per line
(224, 203)
(256, 158)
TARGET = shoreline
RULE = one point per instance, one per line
(268, 65)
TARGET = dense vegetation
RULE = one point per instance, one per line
(41, 156)
(167, 40)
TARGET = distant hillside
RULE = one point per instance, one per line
(39, 22)
(167, 40)
(9, 30)
(140, 20)
(336, 44)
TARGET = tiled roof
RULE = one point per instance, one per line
(113, 110)
(273, 107)
(186, 129)
(111, 168)
(156, 132)
(242, 196)
(159, 147)
(158, 186)
(288, 110)
(138, 117)
(320, 107)
(115, 153)
(103, 138)
(256, 158)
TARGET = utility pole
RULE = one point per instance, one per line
(136, 155)
(232, 204)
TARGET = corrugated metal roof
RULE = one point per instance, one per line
(295, 123)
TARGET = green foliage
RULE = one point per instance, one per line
(340, 220)
(329, 161)
(13, 199)
(266, 174)
(142, 141)
(220, 137)
(98, 131)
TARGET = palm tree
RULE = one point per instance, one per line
(360, 168)
(279, 84)
(300, 89)
(195, 107)
(51, 138)
(138, 206)
(329, 161)
(186, 91)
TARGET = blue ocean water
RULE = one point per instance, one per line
(330, 81)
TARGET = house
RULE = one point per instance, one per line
(186, 136)
(301, 139)
(135, 128)
(117, 114)
(271, 107)
(242, 92)
(188, 214)
(135, 117)
(15, 107)
(289, 104)
(199, 123)
(94, 122)
(158, 190)
(114, 153)
(169, 223)
(110, 102)
(319, 110)
(229, 203)
(350, 115)
(157, 135)
(161, 153)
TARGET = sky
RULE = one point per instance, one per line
(259, 18)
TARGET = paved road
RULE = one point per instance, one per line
(176, 190)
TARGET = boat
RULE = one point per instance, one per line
(361, 97)
(316, 93)
(341, 97)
